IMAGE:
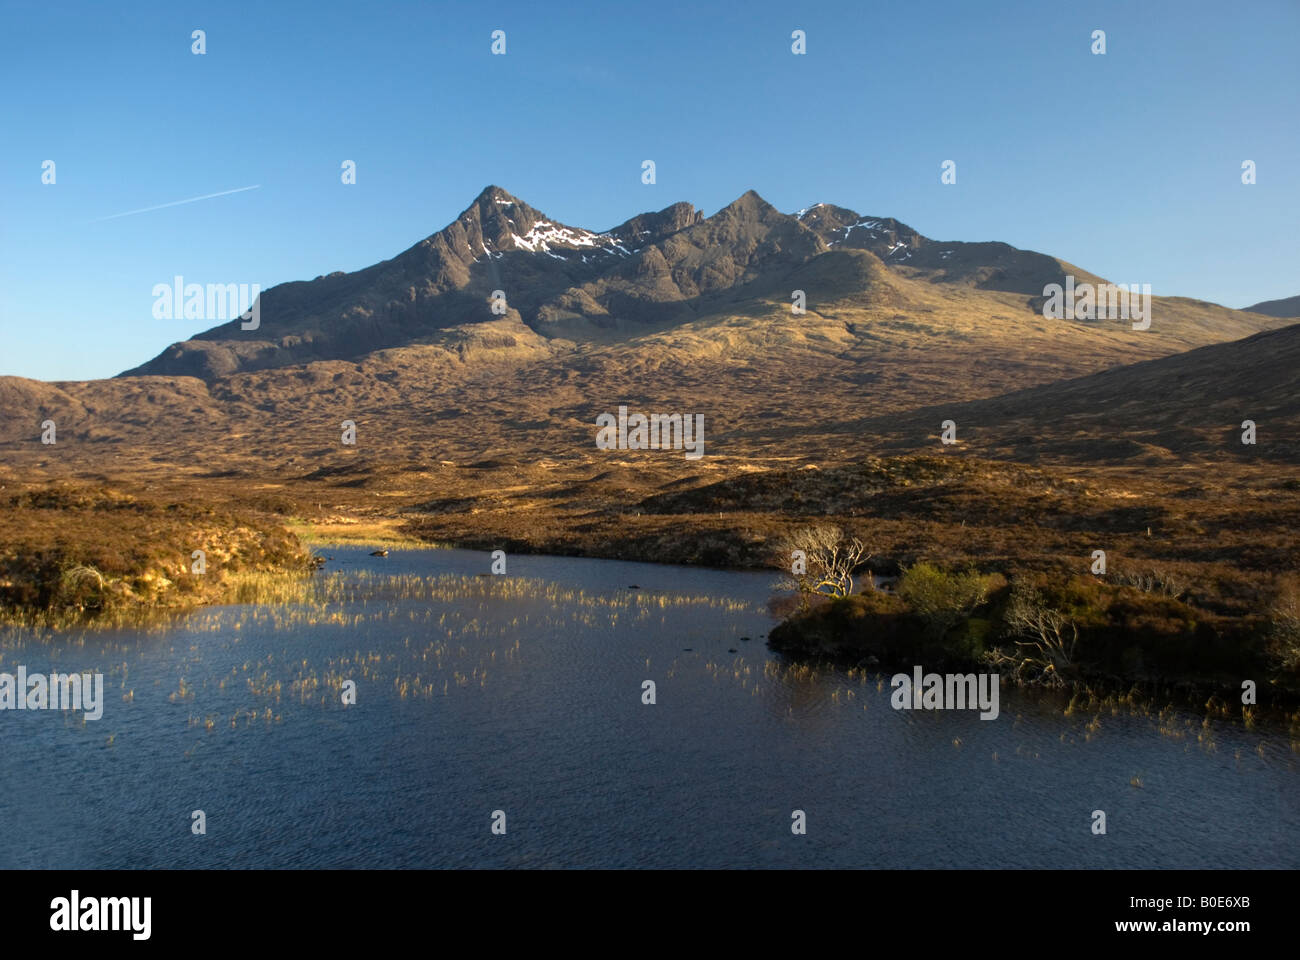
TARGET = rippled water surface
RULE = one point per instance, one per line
(524, 694)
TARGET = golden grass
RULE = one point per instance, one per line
(352, 532)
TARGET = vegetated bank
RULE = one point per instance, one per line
(1085, 632)
(72, 553)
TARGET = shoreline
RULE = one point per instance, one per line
(80, 553)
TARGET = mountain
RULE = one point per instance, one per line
(445, 280)
(565, 285)
(1288, 307)
(670, 310)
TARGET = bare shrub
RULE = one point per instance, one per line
(1157, 580)
(1045, 640)
(1286, 629)
(80, 586)
(829, 559)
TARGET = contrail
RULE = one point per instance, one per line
(177, 203)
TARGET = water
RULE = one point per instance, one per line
(523, 694)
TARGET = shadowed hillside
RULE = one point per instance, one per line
(1189, 405)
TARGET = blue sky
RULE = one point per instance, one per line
(1127, 164)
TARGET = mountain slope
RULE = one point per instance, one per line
(651, 273)
(445, 280)
(1189, 404)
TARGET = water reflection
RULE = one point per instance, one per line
(524, 693)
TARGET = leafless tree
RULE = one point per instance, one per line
(80, 586)
(822, 561)
(1046, 641)
(1156, 580)
(1286, 629)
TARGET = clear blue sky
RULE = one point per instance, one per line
(1127, 164)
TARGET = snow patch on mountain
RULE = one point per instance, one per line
(557, 240)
